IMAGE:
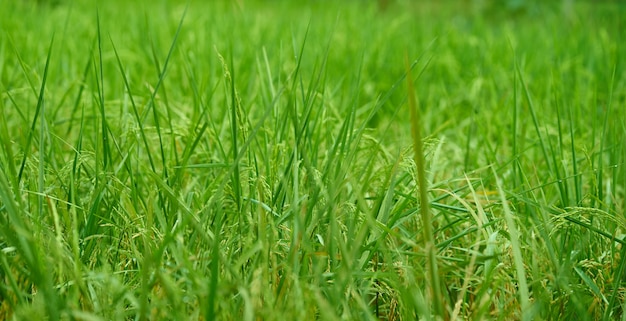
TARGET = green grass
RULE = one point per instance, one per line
(252, 161)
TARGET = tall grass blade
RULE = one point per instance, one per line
(517, 250)
(81, 89)
(40, 102)
(418, 157)
(106, 150)
(142, 131)
(603, 138)
(618, 275)
(535, 119)
(234, 110)
(576, 178)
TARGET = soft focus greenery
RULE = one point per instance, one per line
(252, 160)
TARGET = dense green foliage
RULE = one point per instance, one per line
(251, 160)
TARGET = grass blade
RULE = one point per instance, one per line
(517, 250)
(40, 102)
(418, 157)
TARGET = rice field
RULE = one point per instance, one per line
(312, 160)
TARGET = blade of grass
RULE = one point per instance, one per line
(7, 150)
(142, 131)
(73, 205)
(558, 165)
(517, 251)
(81, 89)
(40, 102)
(603, 138)
(418, 157)
(106, 150)
(514, 131)
(158, 86)
(577, 179)
(535, 119)
(234, 109)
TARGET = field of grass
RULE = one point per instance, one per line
(254, 160)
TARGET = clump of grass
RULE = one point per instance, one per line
(225, 160)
